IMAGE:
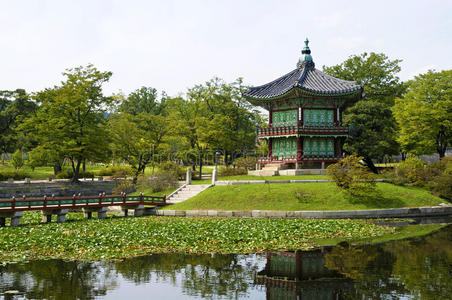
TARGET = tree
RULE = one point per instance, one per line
(139, 130)
(424, 114)
(375, 71)
(15, 106)
(372, 133)
(71, 117)
(136, 139)
(372, 124)
(144, 100)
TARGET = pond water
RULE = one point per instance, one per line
(419, 268)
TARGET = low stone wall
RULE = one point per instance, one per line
(59, 189)
(433, 211)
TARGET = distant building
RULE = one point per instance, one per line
(305, 115)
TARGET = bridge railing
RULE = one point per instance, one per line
(26, 204)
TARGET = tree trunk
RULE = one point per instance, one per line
(56, 169)
(200, 169)
(441, 151)
(370, 164)
(76, 171)
(84, 165)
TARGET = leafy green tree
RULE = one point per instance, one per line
(136, 139)
(17, 159)
(375, 71)
(424, 114)
(372, 133)
(373, 126)
(71, 117)
(144, 100)
(15, 106)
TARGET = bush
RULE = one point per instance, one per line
(68, 174)
(411, 171)
(352, 177)
(124, 186)
(116, 170)
(247, 163)
(163, 180)
(17, 159)
(14, 174)
(228, 171)
(172, 166)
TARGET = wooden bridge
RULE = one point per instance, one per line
(13, 208)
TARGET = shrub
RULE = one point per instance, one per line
(228, 171)
(163, 180)
(68, 174)
(116, 170)
(14, 174)
(352, 177)
(247, 163)
(172, 166)
(124, 186)
(17, 159)
(410, 171)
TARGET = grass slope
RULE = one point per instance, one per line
(304, 196)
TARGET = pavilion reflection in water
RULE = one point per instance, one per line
(301, 275)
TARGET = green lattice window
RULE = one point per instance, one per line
(285, 118)
(318, 117)
(318, 146)
(284, 147)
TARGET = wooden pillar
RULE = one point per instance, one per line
(270, 148)
(270, 117)
(338, 115)
(299, 150)
(336, 121)
(336, 147)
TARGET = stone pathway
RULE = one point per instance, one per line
(186, 192)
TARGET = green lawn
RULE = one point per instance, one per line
(43, 173)
(304, 196)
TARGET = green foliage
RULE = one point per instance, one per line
(15, 106)
(171, 166)
(372, 131)
(230, 171)
(117, 238)
(124, 186)
(67, 174)
(71, 117)
(247, 163)
(424, 114)
(435, 176)
(136, 139)
(375, 71)
(115, 170)
(17, 159)
(14, 174)
(411, 171)
(144, 100)
(371, 121)
(164, 179)
(352, 177)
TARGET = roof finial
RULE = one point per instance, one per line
(305, 53)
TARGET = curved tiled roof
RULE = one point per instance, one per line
(305, 77)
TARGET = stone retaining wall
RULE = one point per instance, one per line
(433, 211)
(59, 189)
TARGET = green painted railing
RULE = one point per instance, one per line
(24, 204)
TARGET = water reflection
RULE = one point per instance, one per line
(418, 268)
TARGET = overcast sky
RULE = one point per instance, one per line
(173, 45)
